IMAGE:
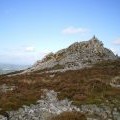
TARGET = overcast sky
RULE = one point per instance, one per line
(29, 29)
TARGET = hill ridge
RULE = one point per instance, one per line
(76, 56)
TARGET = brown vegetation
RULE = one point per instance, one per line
(70, 116)
(88, 85)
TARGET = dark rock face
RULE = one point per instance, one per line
(76, 56)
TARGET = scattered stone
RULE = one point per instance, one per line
(51, 76)
(2, 117)
(4, 88)
(115, 82)
(49, 106)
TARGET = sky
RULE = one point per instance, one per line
(30, 29)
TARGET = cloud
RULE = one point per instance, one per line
(117, 42)
(30, 49)
(73, 30)
(22, 55)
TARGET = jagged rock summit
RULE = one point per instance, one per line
(76, 56)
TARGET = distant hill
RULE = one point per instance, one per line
(7, 68)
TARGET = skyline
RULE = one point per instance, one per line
(32, 28)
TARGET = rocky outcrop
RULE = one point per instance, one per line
(100, 112)
(76, 56)
(49, 106)
(45, 108)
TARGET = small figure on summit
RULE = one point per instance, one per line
(94, 37)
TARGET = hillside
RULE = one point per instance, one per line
(92, 89)
(76, 56)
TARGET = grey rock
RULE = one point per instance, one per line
(49, 106)
(76, 56)
(45, 108)
(115, 82)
